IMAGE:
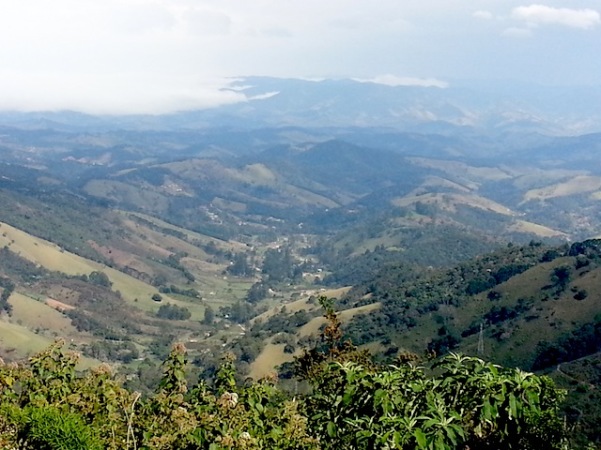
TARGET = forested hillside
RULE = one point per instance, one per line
(124, 236)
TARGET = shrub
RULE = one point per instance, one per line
(354, 403)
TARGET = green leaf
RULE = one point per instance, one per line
(420, 437)
(486, 410)
(513, 409)
(331, 429)
(451, 436)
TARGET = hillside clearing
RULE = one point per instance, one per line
(272, 356)
(577, 185)
(313, 326)
(20, 341)
(37, 315)
(522, 226)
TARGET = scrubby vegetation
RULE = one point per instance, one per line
(350, 403)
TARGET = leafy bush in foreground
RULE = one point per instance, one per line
(354, 404)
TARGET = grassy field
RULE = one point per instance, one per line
(44, 253)
(217, 289)
(522, 226)
(38, 315)
(51, 257)
(191, 235)
(18, 341)
(272, 356)
(577, 185)
(514, 341)
(459, 169)
(450, 202)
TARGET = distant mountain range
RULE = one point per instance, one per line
(463, 107)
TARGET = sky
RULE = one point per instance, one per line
(161, 56)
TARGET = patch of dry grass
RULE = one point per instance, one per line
(577, 185)
(522, 226)
(34, 315)
(272, 356)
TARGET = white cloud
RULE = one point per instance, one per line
(153, 55)
(264, 96)
(485, 15)
(392, 80)
(105, 94)
(208, 22)
(547, 15)
(139, 18)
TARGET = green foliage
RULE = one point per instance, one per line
(584, 340)
(446, 341)
(174, 261)
(239, 312)
(284, 322)
(464, 403)
(470, 404)
(480, 284)
(18, 267)
(561, 276)
(63, 218)
(240, 267)
(108, 350)
(209, 316)
(99, 279)
(257, 292)
(7, 289)
(590, 248)
(278, 265)
(173, 312)
(173, 289)
(362, 268)
(498, 314)
(408, 299)
(50, 428)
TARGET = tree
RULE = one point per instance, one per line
(99, 279)
(173, 312)
(209, 316)
(257, 292)
(278, 264)
(7, 289)
(561, 276)
(468, 404)
(240, 266)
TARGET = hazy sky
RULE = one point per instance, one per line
(125, 56)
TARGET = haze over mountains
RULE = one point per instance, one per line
(274, 102)
(508, 158)
(220, 225)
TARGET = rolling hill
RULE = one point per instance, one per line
(442, 220)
